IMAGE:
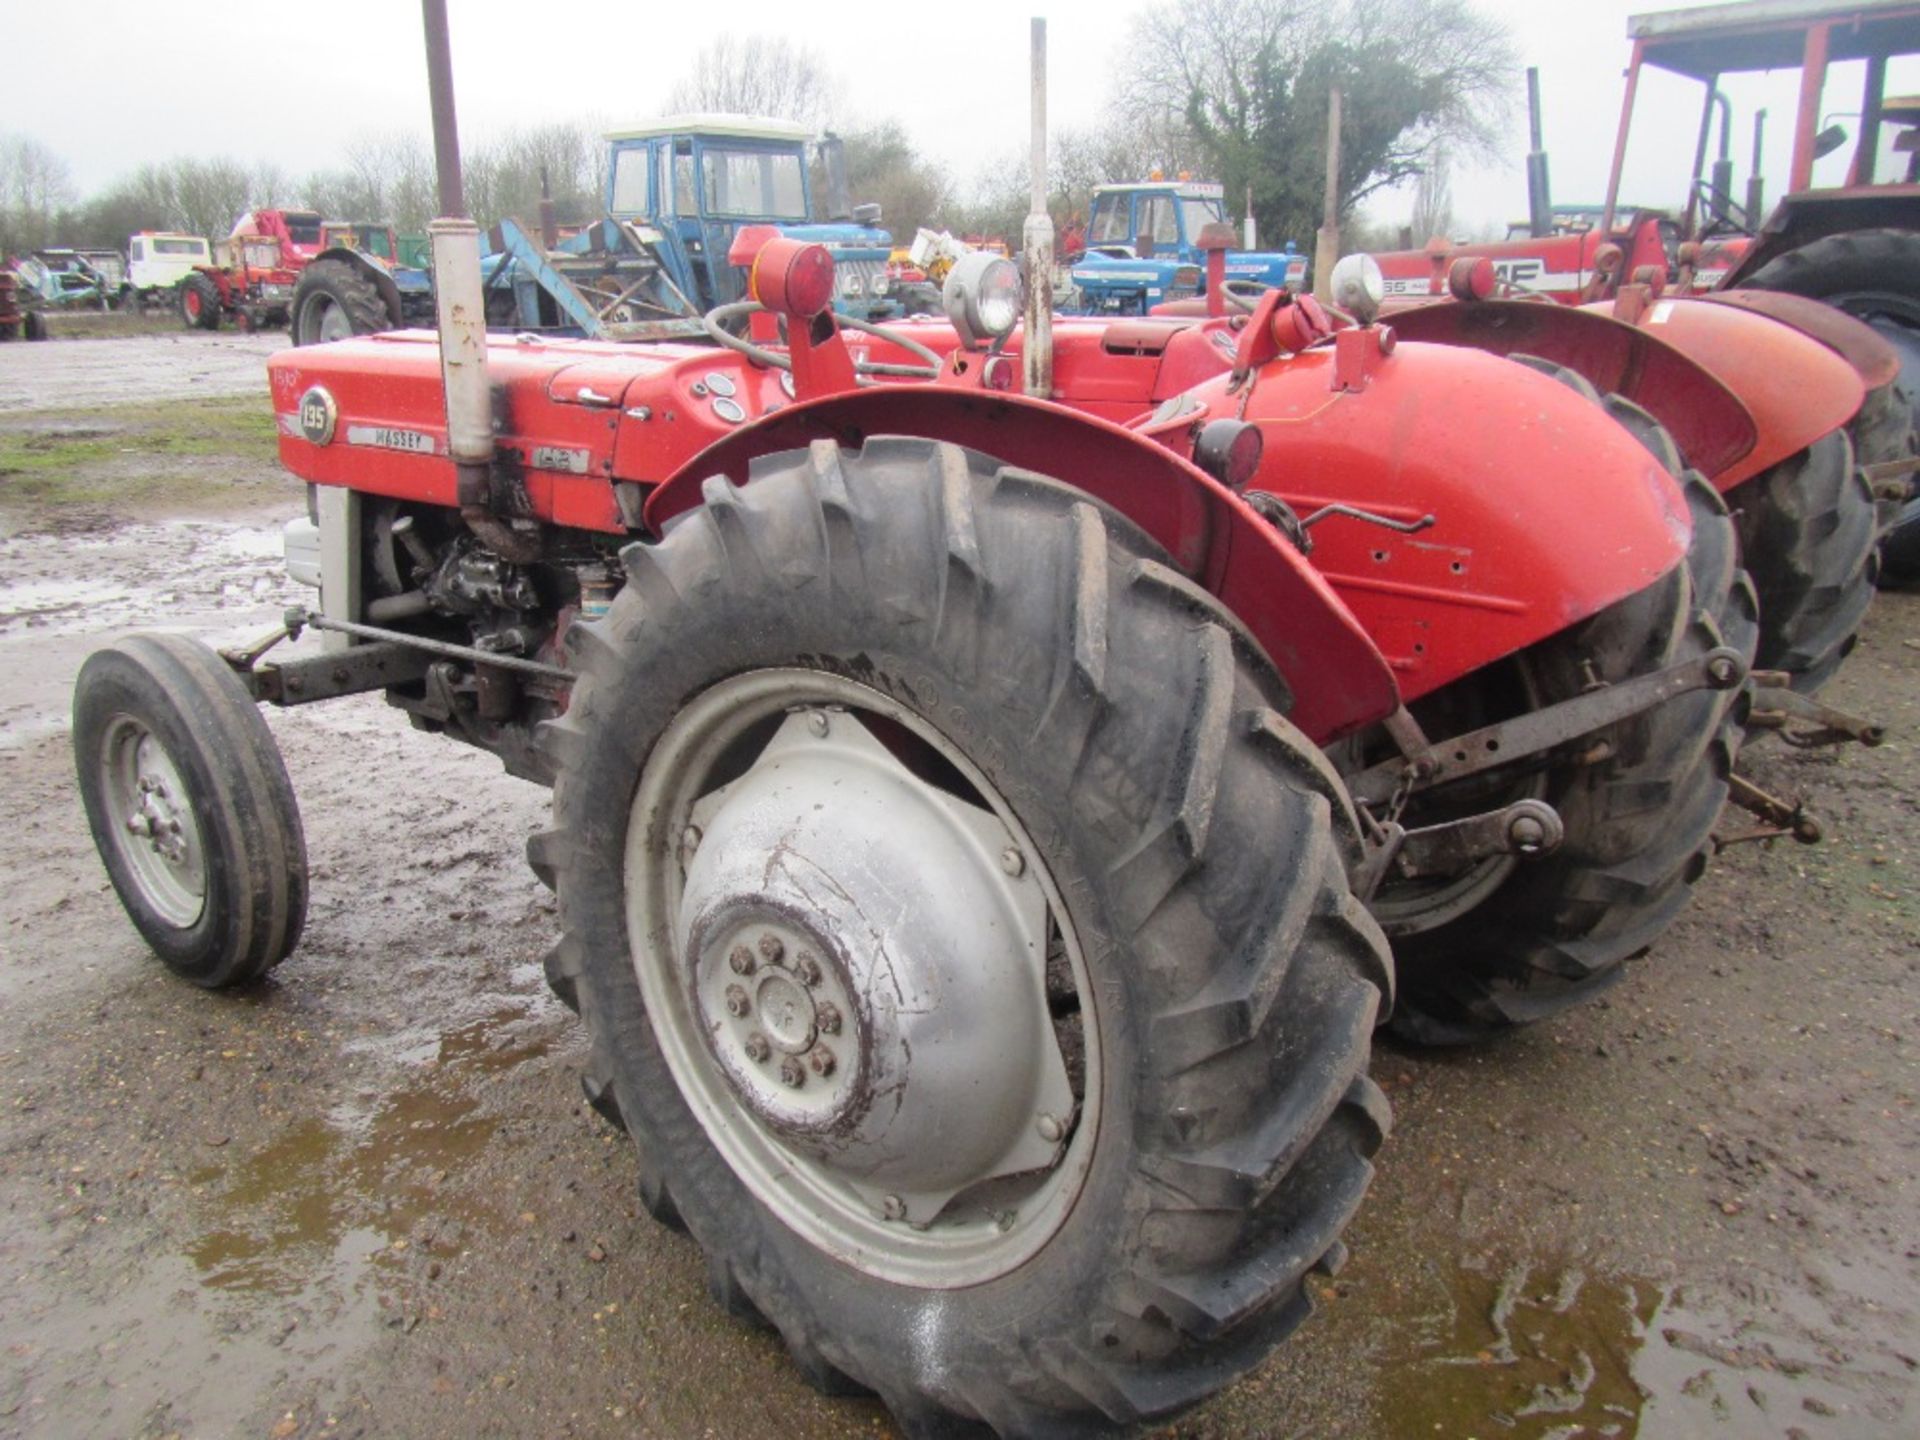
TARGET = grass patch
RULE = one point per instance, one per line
(174, 452)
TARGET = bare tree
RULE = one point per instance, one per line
(35, 185)
(1433, 198)
(210, 195)
(759, 75)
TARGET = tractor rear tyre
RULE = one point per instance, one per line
(333, 301)
(1873, 275)
(1512, 942)
(966, 940)
(190, 808)
(200, 303)
(1807, 531)
(34, 325)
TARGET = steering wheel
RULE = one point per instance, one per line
(1243, 295)
(715, 322)
(1732, 219)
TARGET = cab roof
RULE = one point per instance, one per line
(733, 127)
(1704, 41)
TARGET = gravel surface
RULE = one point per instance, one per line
(57, 375)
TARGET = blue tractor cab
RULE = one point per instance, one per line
(1142, 249)
(697, 179)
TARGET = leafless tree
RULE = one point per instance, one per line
(1433, 198)
(759, 75)
(35, 185)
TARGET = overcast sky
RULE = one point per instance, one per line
(289, 82)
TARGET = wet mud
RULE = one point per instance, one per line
(367, 1199)
(124, 369)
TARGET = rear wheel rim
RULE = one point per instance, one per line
(743, 988)
(325, 321)
(151, 820)
(193, 304)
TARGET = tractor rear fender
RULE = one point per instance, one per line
(1855, 341)
(1705, 418)
(374, 270)
(1337, 676)
(1545, 510)
(1795, 388)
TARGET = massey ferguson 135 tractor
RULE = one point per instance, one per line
(975, 821)
(967, 809)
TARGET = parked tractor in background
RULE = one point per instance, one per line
(1143, 248)
(700, 179)
(17, 322)
(248, 285)
(157, 261)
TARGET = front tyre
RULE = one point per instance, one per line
(966, 940)
(190, 808)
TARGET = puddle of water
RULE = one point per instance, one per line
(334, 1193)
(1527, 1351)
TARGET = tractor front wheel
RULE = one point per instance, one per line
(190, 808)
(333, 301)
(200, 303)
(965, 939)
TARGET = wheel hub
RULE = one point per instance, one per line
(867, 970)
(158, 836)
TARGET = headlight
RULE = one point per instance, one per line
(881, 287)
(850, 285)
(982, 297)
(1358, 287)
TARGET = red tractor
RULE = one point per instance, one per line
(249, 286)
(975, 821)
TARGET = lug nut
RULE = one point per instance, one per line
(1050, 1129)
(1012, 861)
(771, 950)
(817, 723)
(826, 1015)
(893, 1208)
(689, 842)
(136, 824)
(792, 1073)
(757, 1048)
(806, 969)
(736, 1001)
(741, 961)
(820, 1060)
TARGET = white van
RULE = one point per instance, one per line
(157, 261)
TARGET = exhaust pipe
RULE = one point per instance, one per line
(1037, 239)
(1756, 182)
(462, 313)
(1539, 193)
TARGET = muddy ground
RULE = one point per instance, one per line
(366, 1199)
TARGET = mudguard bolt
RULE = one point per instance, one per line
(1050, 1129)
(771, 950)
(806, 969)
(792, 1073)
(827, 1016)
(893, 1208)
(1012, 861)
(741, 961)
(817, 722)
(1527, 834)
(820, 1059)
(757, 1048)
(736, 1001)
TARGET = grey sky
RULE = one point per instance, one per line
(290, 83)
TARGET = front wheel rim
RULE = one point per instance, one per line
(150, 816)
(792, 946)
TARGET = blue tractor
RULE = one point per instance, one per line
(1143, 249)
(698, 179)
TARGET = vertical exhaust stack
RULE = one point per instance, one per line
(1720, 185)
(1037, 239)
(1756, 182)
(462, 307)
(1539, 191)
